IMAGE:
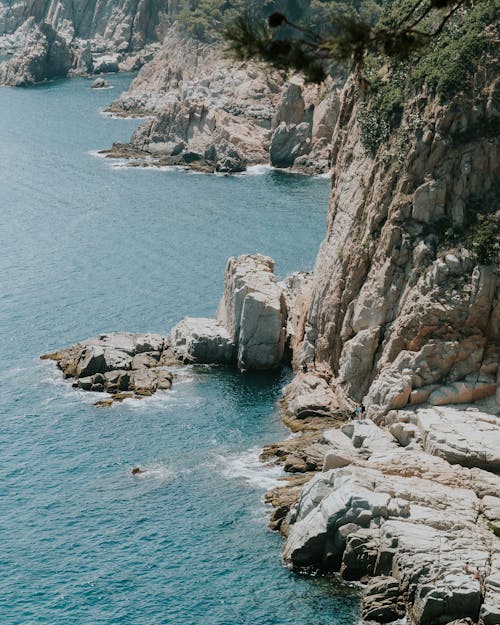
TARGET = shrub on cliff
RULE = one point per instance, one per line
(394, 51)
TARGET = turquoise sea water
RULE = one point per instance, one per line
(88, 248)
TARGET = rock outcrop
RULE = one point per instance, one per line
(396, 316)
(45, 55)
(119, 25)
(121, 364)
(213, 114)
(93, 37)
(250, 325)
(249, 332)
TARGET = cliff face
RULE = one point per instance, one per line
(129, 24)
(403, 317)
(100, 37)
(398, 313)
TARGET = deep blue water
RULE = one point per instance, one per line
(86, 248)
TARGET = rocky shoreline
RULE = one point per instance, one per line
(211, 114)
(408, 503)
(46, 40)
(250, 331)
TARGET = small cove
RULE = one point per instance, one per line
(89, 248)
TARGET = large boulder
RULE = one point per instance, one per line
(203, 341)
(253, 310)
(288, 142)
(291, 107)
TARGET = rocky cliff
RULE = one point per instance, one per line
(101, 36)
(214, 114)
(403, 319)
(403, 309)
(112, 25)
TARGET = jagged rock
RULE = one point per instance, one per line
(220, 110)
(228, 159)
(202, 341)
(105, 64)
(253, 310)
(296, 289)
(421, 533)
(117, 363)
(381, 600)
(90, 362)
(325, 117)
(310, 395)
(288, 142)
(118, 25)
(45, 55)
(490, 610)
(429, 201)
(290, 109)
(100, 83)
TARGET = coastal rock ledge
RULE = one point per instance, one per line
(250, 330)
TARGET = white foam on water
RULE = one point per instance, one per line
(256, 170)
(96, 153)
(326, 176)
(158, 472)
(112, 115)
(248, 466)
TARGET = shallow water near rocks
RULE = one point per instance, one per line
(87, 248)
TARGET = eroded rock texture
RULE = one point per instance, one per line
(45, 55)
(90, 37)
(407, 325)
(250, 325)
(395, 317)
(213, 114)
(121, 364)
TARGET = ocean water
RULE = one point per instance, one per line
(88, 247)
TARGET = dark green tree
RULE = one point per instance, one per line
(340, 32)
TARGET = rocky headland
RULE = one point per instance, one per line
(212, 114)
(251, 331)
(403, 318)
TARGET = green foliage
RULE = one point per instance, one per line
(450, 60)
(446, 67)
(207, 20)
(484, 239)
(381, 113)
(479, 233)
